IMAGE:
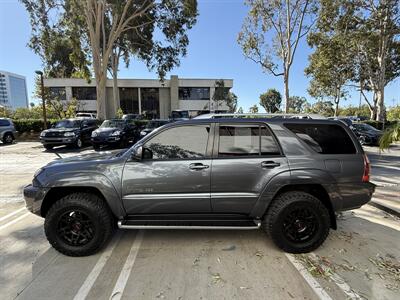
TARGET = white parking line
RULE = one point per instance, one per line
(91, 278)
(127, 268)
(315, 286)
(339, 281)
(14, 221)
(11, 214)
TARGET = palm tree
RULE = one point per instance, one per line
(390, 136)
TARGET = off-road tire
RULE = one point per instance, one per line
(282, 205)
(97, 211)
(8, 138)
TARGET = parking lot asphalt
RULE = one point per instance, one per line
(360, 260)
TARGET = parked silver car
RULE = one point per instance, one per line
(7, 131)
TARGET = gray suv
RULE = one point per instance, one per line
(7, 131)
(287, 176)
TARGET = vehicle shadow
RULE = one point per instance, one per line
(68, 149)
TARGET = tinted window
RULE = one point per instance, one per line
(194, 93)
(324, 139)
(68, 124)
(182, 142)
(4, 123)
(84, 93)
(246, 140)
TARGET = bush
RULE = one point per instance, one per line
(34, 125)
(380, 125)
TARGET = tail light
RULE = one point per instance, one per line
(367, 169)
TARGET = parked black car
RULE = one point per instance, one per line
(71, 132)
(367, 134)
(151, 125)
(132, 117)
(114, 132)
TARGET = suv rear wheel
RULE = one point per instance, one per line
(78, 224)
(297, 222)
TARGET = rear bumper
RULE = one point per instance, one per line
(356, 195)
(34, 197)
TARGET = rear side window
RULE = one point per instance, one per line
(324, 138)
(4, 123)
(246, 140)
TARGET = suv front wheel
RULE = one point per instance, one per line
(78, 224)
(297, 222)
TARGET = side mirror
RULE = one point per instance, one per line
(138, 154)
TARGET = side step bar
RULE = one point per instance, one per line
(125, 225)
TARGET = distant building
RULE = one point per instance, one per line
(13, 91)
(144, 96)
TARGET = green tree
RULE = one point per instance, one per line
(231, 102)
(393, 114)
(240, 110)
(271, 101)
(271, 33)
(253, 109)
(156, 32)
(297, 104)
(390, 136)
(324, 108)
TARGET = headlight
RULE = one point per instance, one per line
(43, 133)
(69, 134)
(94, 133)
(143, 133)
(118, 132)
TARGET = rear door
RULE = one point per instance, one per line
(245, 158)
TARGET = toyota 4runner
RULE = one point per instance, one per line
(287, 176)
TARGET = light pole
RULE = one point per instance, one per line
(40, 73)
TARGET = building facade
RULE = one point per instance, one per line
(13, 91)
(151, 97)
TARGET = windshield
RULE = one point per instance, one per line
(68, 124)
(180, 114)
(155, 124)
(112, 124)
(364, 127)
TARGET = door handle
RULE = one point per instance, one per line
(269, 164)
(198, 166)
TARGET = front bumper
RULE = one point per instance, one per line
(106, 140)
(58, 140)
(34, 197)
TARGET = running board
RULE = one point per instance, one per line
(124, 224)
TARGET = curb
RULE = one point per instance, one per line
(385, 209)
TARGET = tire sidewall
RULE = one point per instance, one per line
(51, 226)
(318, 214)
(8, 138)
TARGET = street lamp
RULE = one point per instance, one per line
(40, 73)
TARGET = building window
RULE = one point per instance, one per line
(129, 100)
(194, 93)
(150, 102)
(57, 93)
(84, 93)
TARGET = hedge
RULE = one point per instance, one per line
(380, 125)
(31, 125)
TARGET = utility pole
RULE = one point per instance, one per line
(40, 73)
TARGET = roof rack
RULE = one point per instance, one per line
(260, 115)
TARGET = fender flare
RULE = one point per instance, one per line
(297, 177)
(90, 180)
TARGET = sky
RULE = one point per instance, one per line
(213, 53)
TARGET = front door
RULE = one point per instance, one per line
(174, 175)
(246, 157)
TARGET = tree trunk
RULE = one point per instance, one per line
(286, 82)
(101, 97)
(116, 100)
(380, 107)
(336, 107)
